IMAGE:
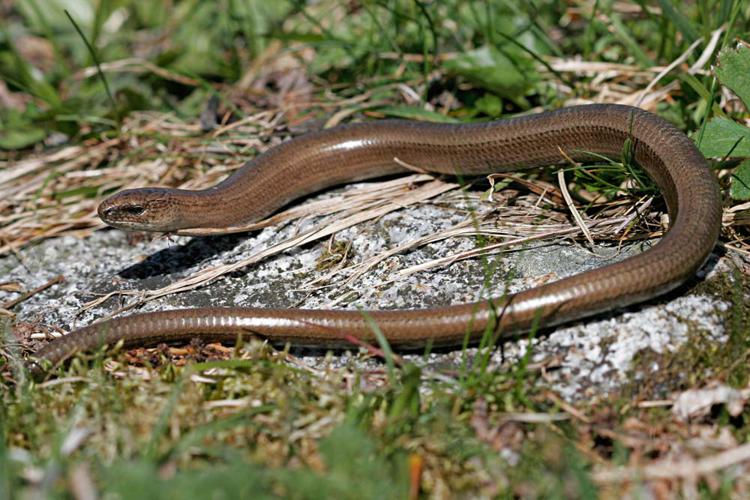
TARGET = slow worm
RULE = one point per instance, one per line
(365, 150)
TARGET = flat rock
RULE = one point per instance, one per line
(591, 357)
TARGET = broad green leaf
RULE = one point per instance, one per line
(491, 69)
(413, 113)
(733, 70)
(739, 189)
(20, 137)
(725, 138)
(490, 105)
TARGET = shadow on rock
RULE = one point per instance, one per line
(179, 258)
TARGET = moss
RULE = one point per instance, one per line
(335, 254)
(701, 358)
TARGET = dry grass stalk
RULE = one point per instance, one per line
(24, 296)
(676, 469)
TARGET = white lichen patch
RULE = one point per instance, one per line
(597, 356)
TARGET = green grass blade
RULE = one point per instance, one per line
(679, 20)
(99, 71)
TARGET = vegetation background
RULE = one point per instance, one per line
(112, 83)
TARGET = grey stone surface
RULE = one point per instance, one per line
(594, 356)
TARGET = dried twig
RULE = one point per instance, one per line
(572, 207)
(11, 303)
(671, 469)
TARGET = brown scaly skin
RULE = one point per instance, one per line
(366, 150)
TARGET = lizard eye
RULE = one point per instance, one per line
(128, 210)
(133, 209)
